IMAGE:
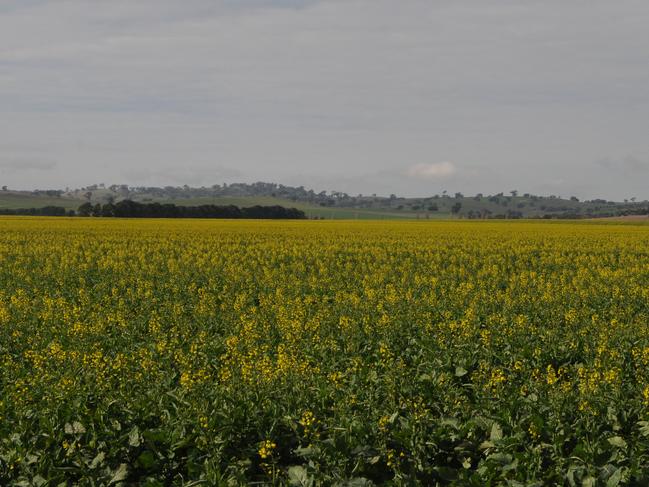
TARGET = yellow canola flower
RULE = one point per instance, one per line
(266, 449)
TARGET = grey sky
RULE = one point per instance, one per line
(404, 96)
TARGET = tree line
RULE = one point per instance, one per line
(134, 209)
(45, 211)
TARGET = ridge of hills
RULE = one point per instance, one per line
(335, 204)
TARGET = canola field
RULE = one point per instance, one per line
(177, 352)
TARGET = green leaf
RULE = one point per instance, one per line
(454, 423)
(146, 459)
(512, 466)
(496, 432)
(589, 482)
(447, 473)
(76, 428)
(30, 459)
(120, 474)
(570, 475)
(617, 441)
(358, 482)
(615, 479)
(298, 476)
(38, 481)
(306, 451)
(502, 458)
(98, 460)
(155, 436)
(460, 371)
(134, 437)
(644, 428)
(486, 445)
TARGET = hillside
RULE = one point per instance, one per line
(35, 199)
(335, 204)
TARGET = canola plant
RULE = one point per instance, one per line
(202, 352)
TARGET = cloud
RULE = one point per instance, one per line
(628, 164)
(435, 170)
(16, 164)
(193, 175)
(305, 90)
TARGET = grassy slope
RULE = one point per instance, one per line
(310, 210)
(13, 200)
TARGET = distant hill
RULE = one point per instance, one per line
(334, 204)
(37, 199)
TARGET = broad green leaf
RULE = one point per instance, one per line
(496, 432)
(644, 428)
(146, 459)
(134, 437)
(75, 428)
(617, 441)
(298, 476)
(37, 481)
(615, 479)
(120, 474)
(589, 482)
(358, 482)
(98, 460)
(502, 458)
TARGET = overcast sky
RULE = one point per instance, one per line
(365, 96)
